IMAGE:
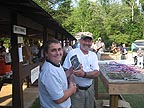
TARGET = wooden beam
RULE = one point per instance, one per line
(56, 34)
(44, 35)
(6, 107)
(17, 91)
(62, 42)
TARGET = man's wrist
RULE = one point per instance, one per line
(85, 74)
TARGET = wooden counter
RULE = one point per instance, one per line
(116, 87)
(109, 56)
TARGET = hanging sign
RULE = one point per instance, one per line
(20, 54)
(19, 30)
(20, 39)
(35, 74)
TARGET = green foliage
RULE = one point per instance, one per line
(83, 16)
(64, 11)
(113, 21)
(6, 42)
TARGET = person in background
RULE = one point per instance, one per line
(54, 91)
(76, 45)
(124, 52)
(34, 46)
(66, 50)
(26, 51)
(113, 48)
(99, 47)
(41, 54)
(83, 77)
(140, 58)
(93, 47)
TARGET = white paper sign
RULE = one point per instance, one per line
(35, 74)
(20, 40)
(20, 54)
(19, 30)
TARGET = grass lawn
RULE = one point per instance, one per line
(136, 101)
(36, 104)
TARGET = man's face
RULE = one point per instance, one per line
(55, 53)
(86, 44)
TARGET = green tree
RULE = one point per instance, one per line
(121, 22)
(63, 12)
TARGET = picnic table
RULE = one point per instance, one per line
(117, 83)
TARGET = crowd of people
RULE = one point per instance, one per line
(60, 84)
(122, 49)
(32, 51)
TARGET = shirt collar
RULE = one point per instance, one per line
(57, 65)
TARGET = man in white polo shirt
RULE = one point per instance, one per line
(84, 97)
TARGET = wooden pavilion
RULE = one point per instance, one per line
(24, 18)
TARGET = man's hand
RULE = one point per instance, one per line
(91, 74)
(79, 73)
(73, 87)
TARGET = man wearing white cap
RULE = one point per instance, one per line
(83, 77)
(100, 47)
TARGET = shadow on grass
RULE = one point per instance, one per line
(135, 100)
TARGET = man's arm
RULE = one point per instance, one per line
(91, 74)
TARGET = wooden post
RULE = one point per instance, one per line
(113, 101)
(44, 35)
(96, 87)
(56, 34)
(62, 40)
(17, 91)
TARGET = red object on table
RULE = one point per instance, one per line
(4, 68)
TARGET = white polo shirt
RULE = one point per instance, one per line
(88, 61)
